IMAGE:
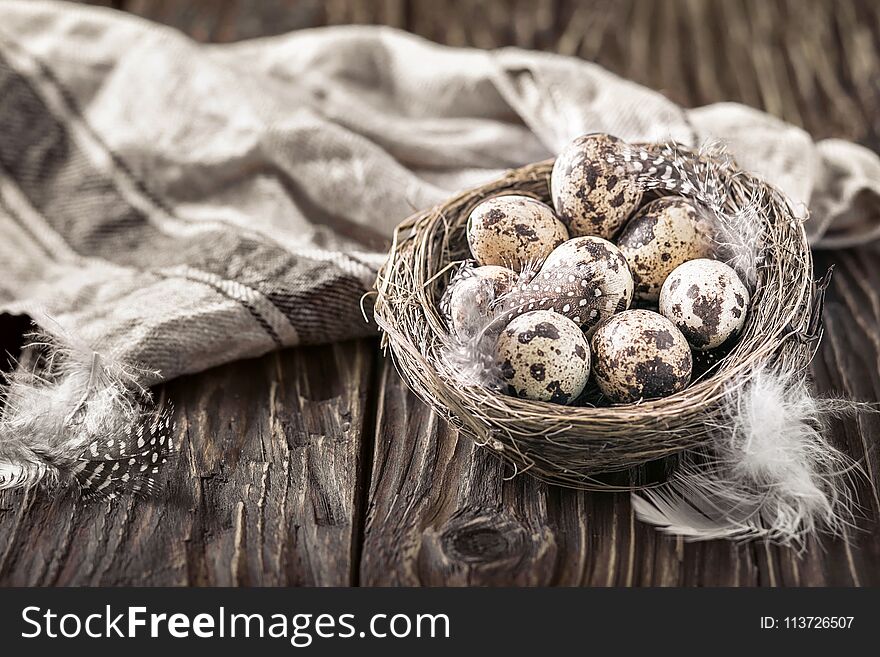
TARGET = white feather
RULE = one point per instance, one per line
(20, 474)
(768, 472)
(469, 359)
(72, 397)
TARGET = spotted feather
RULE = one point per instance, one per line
(569, 290)
(668, 168)
(131, 463)
(81, 418)
(708, 178)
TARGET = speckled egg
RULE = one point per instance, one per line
(513, 231)
(592, 196)
(639, 354)
(466, 303)
(544, 356)
(707, 301)
(664, 234)
(590, 264)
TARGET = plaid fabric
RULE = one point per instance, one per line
(185, 205)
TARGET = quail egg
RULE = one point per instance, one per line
(639, 354)
(664, 234)
(591, 195)
(706, 300)
(544, 356)
(513, 231)
(471, 292)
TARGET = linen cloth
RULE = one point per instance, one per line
(184, 205)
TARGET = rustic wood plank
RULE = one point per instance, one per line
(265, 491)
(848, 363)
(231, 20)
(441, 514)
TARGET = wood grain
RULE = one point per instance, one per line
(317, 467)
(266, 489)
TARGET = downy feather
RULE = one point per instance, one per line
(768, 472)
(80, 417)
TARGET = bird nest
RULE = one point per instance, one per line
(581, 446)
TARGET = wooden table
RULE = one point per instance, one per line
(318, 466)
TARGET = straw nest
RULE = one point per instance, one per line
(573, 445)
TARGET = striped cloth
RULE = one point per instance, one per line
(182, 205)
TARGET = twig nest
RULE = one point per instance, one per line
(664, 234)
(707, 301)
(639, 354)
(571, 445)
(592, 265)
(513, 231)
(467, 301)
(544, 356)
(591, 195)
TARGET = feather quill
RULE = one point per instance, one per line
(80, 417)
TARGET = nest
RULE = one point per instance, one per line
(577, 446)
